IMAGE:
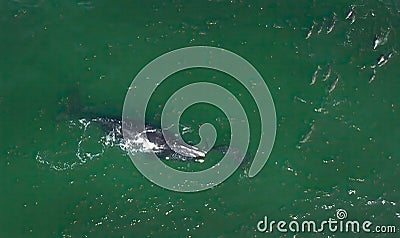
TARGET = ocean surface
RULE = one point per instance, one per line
(332, 68)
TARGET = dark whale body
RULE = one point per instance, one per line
(151, 140)
(112, 126)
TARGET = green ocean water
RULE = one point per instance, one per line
(336, 144)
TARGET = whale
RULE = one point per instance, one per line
(151, 139)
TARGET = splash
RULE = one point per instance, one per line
(92, 143)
